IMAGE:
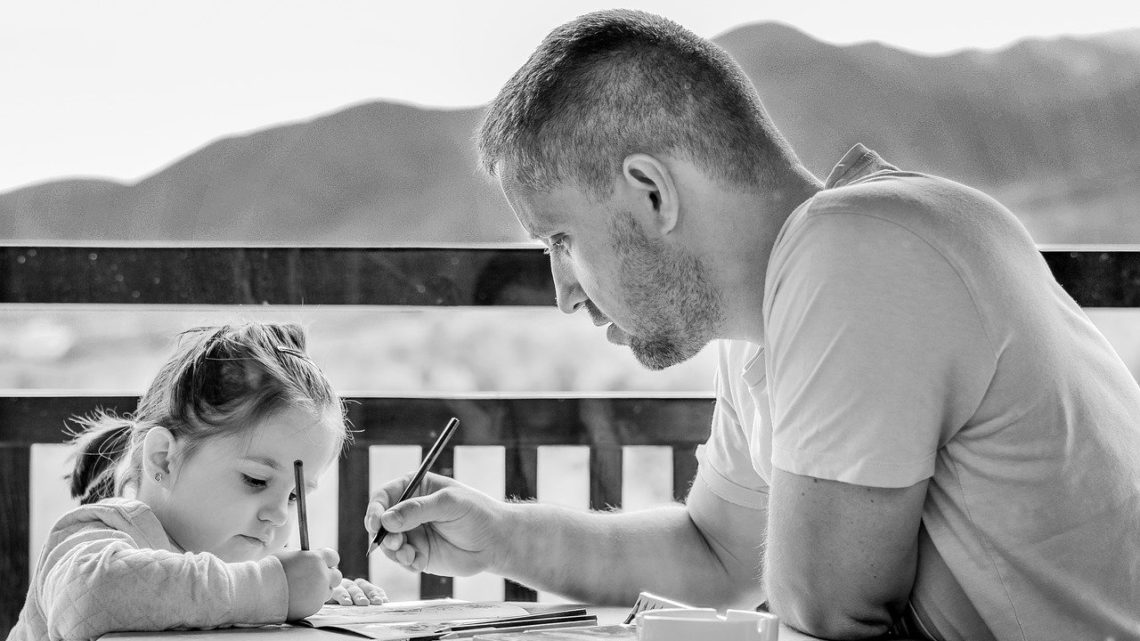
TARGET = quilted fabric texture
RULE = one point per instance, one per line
(110, 566)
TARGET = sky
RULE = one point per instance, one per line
(119, 89)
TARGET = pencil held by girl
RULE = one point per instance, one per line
(187, 504)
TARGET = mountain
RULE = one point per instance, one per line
(1049, 127)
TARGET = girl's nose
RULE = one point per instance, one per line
(275, 512)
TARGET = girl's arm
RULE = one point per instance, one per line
(98, 580)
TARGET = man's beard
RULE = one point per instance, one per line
(669, 293)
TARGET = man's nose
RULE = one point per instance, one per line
(567, 290)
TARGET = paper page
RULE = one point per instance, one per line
(405, 619)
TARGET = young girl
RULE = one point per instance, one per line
(187, 503)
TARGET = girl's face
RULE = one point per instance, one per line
(234, 497)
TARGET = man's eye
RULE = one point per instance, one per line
(558, 244)
(253, 482)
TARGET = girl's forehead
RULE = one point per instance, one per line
(288, 435)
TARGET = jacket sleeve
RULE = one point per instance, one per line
(98, 580)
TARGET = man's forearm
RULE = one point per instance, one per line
(608, 557)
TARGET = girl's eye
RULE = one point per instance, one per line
(253, 482)
(292, 497)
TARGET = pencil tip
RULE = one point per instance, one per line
(371, 546)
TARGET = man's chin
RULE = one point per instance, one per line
(654, 354)
(657, 355)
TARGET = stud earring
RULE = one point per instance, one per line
(158, 476)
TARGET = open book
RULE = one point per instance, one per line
(445, 618)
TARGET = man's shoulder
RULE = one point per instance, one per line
(946, 214)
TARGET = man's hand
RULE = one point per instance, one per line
(449, 529)
(311, 577)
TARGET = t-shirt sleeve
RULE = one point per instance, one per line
(876, 351)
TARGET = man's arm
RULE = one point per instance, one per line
(841, 558)
(707, 552)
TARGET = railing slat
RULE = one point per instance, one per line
(521, 483)
(684, 470)
(433, 586)
(352, 488)
(15, 517)
(605, 477)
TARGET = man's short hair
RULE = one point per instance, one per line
(612, 83)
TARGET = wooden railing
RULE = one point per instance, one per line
(132, 275)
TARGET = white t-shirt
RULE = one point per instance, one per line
(913, 331)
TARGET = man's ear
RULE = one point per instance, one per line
(651, 178)
(158, 454)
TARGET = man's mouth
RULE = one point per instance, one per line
(615, 335)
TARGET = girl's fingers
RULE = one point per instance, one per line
(340, 595)
(353, 594)
(358, 592)
(371, 592)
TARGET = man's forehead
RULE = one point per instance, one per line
(530, 206)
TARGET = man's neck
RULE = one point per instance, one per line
(752, 225)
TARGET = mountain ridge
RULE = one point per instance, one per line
(1049, 127)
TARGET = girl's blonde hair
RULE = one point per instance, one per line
(220, 380)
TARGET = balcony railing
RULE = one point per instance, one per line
(458, 276)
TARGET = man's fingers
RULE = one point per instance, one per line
(414, 512)
(393, 540)
(391, 492)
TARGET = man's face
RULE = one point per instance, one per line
(655, 296)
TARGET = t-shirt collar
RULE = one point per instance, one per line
(859, 162)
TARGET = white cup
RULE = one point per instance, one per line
(704, 624)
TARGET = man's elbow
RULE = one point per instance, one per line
(833, 619)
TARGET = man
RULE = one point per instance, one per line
(916, 429)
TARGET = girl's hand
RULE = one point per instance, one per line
(358, 592)
(312, 576)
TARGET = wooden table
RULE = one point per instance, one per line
(606, 616)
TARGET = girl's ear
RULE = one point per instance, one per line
(158, 454)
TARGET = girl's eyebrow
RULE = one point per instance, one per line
(266, 461)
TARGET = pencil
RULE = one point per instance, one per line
(302, 514)
(425, 464)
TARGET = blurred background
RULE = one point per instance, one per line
(349, 123)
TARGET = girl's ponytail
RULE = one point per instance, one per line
(101, 444)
